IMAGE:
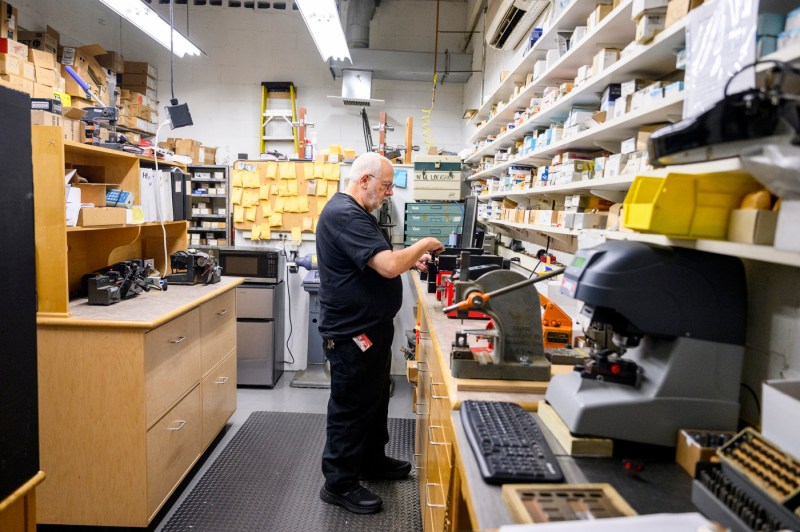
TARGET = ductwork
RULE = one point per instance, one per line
(359, 13)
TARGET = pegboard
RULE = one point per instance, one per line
(280, 196)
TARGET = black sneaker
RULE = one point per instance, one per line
(387, 469)
(357, 499)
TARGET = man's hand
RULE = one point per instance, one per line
(433, 246)
(422, 263)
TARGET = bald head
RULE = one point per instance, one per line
(370, 163)
(371, 180)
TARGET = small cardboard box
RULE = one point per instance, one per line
(41, 40)
(135, 67)
(693, 446)
(677, 9)
(42, 91)
(10, 64)
(27, 70)
(45, 76)
(752, 226)
(10, 46)
(112, 61)
(101, 216)
(42, 58)
(8, 21)
(74, 130)
(43, 118)
(137, 80)
(17, 83)
(780, 418)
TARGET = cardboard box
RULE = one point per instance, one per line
(138, 80)
(27, 70)
(112, 61)
(677, 9)
(643, 135)
(135, 67)
(42, 58)
(74, 130)
(787, 238)
(648, 26)
(10, 46)
(10, 64)
(17, 83)
(698, 446)
(41, 40)
(44, 118)
(101, 216)
(639, 7)
(598, 15)
(752, 226)
(604, 59)
(780, 417)
(42, 91)
(83, 61)
(8, 21)
(45, 76)
(141, 89)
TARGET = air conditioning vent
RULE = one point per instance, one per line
(508, 21)
(507, 25)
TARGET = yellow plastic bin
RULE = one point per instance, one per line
(685, 205)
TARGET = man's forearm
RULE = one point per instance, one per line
(392, 263)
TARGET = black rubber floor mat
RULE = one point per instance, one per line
(268, 478)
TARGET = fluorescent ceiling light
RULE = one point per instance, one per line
(322, 19)
(147, 20)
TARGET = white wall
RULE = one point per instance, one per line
(773, 330)
(245, 47)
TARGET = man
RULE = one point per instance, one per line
(360, 293)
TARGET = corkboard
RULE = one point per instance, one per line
(271, 196)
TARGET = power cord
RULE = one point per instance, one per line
(546, 252)
(289, 299)
(158, 193)
(171, 53)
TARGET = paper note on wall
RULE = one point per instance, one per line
(311, 188)
(308, 223)
(263, 192)
(276, 220)
(272, 170)
(283, 188)
(321, 202)
(321, 184)
(266, 208)
(308, 170)
(293, 188)
(279, 203)
(251, 214)
(236, 196)
(238, 214)
(302, 203)
(255, 232)
(291, 204)
(266, 232)
(296, 234)
(331, 190)
(286, 171)
(319, 171)
(251, 180)
(236, 179)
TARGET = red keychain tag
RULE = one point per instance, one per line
(362, 342)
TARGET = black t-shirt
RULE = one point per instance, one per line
(353, 297)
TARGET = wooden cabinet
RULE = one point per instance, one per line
(127, 406)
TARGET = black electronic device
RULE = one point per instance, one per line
(607, 365)
(112, 284)
(264, 265)
(469, 221)
(508, 444)
(179, 115)
(737, 123)
(191, 267)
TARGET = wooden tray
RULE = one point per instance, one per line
(547, 503)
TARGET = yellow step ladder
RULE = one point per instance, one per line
(278, 90)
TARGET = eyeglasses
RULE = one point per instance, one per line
(386, 186)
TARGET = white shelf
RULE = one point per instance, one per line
(722, 247)
(731, 165)
(538, 228)
(208, 216)
(610, 183)
(787, 55)
(615, 130)
(653, 59)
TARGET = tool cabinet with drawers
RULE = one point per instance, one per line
(436, 219)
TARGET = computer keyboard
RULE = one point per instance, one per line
(508, 443)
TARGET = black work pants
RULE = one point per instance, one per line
(358, 407)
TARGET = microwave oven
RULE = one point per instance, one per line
(257, 265)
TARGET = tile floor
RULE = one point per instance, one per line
(282, 398)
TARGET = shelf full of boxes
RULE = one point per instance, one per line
(577, 112)
(209, 219)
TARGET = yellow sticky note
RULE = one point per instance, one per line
(238, 214)
(236, 196)
(255, 232)
(332, 185)
(272, 170)
(308, 170)
(321, 187)
(292, 188)
(252, 197)
(336, 172)
(286, 171)
(263, 192)
(331, 191)
(291, 204)
(266, 232)
(321, 202)
(276, 220)
(236, 179)
(250, 180)
(283, 189)
(308, 222)
(279, 204)
(319, 171)
(297, 234)
(302, 203)
(328, 171)
(251, 213)
(266, 208)
(273, 189)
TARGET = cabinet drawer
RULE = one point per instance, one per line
(172, 363)
(218, 328)
(173, 444)
(219, 397)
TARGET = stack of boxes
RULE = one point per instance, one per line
(191, 148)
(138, 101)
(650, 17)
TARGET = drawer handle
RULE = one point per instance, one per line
(428, 496)
(181, 423)
(430, 435)
(424, 365)
(416, 456)
(433, 395)
(178, 340)
(222, 312)
(419, 409)
(223, 380)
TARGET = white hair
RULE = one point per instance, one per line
(367, 163)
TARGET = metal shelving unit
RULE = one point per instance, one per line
(216, 201)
